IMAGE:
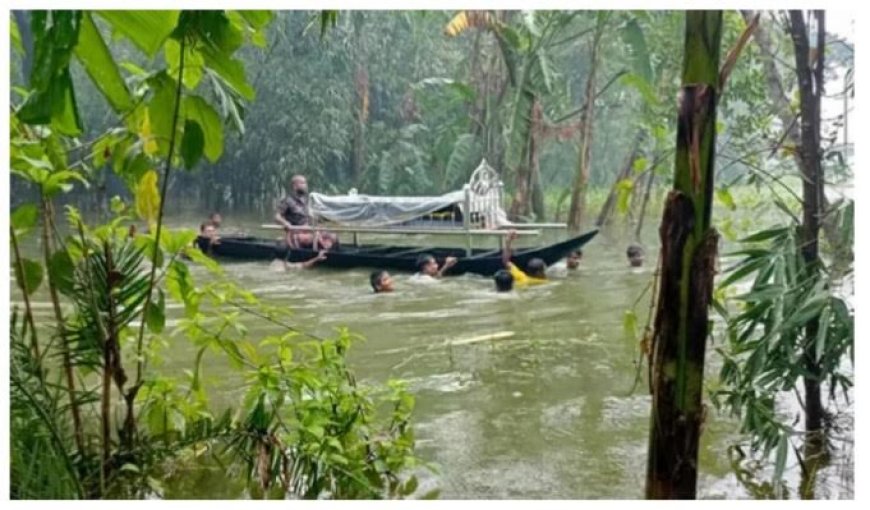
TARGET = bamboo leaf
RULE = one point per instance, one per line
(822, 335)
(725, 198)
(766, 234)
(781, 456)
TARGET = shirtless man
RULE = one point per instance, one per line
(293, 212)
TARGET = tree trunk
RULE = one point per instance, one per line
(607, 208)
(809, 64)
(360, 102)
(535, 141)
(688, 260)
(640, 217)
(521, 204)
(783, 110)
(578, 192)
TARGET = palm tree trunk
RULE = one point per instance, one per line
(688, 260)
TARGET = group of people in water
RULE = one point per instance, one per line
(292, 213)
(505, 279)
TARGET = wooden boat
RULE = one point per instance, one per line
(471, 213)
(397, 258)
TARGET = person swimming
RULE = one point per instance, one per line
(427, 267)
(381, 281)
(504, 281)
(573, 260)
(635, 255)
(536, 269)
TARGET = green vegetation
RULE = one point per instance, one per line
(124, 117)
(93, 416)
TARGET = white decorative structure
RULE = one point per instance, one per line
(484, 198)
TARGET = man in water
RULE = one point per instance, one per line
(209, 231)
(293, 212)
(381, 281)
(635, 255)
(536, 269)
(504, 282)
(573, 260)
(427, 267)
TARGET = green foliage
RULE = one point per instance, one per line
(52, 100)
(28, 275)
(198, 111)
(634, 38)
(767, 334)
(24, 218)
(95, 57)
(301, 393)
(40, 462)
(146, 29)
(193, 144)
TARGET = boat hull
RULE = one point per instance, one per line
(396, 258)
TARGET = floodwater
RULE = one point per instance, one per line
(544, 408)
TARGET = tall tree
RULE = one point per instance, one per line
(784, 111)
(685, 281)
(581, 179)
(810, 65)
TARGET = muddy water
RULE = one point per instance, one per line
(526, 395)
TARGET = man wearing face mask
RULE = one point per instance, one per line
(293, 211)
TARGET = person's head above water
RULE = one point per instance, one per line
(207, 230)
(381, 281)
(215, 219)
(635, 255)
(573, 260)
(426, 264)
(298, 185)
(504, 281)
(536, 268)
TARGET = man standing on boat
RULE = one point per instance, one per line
(293, 212)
